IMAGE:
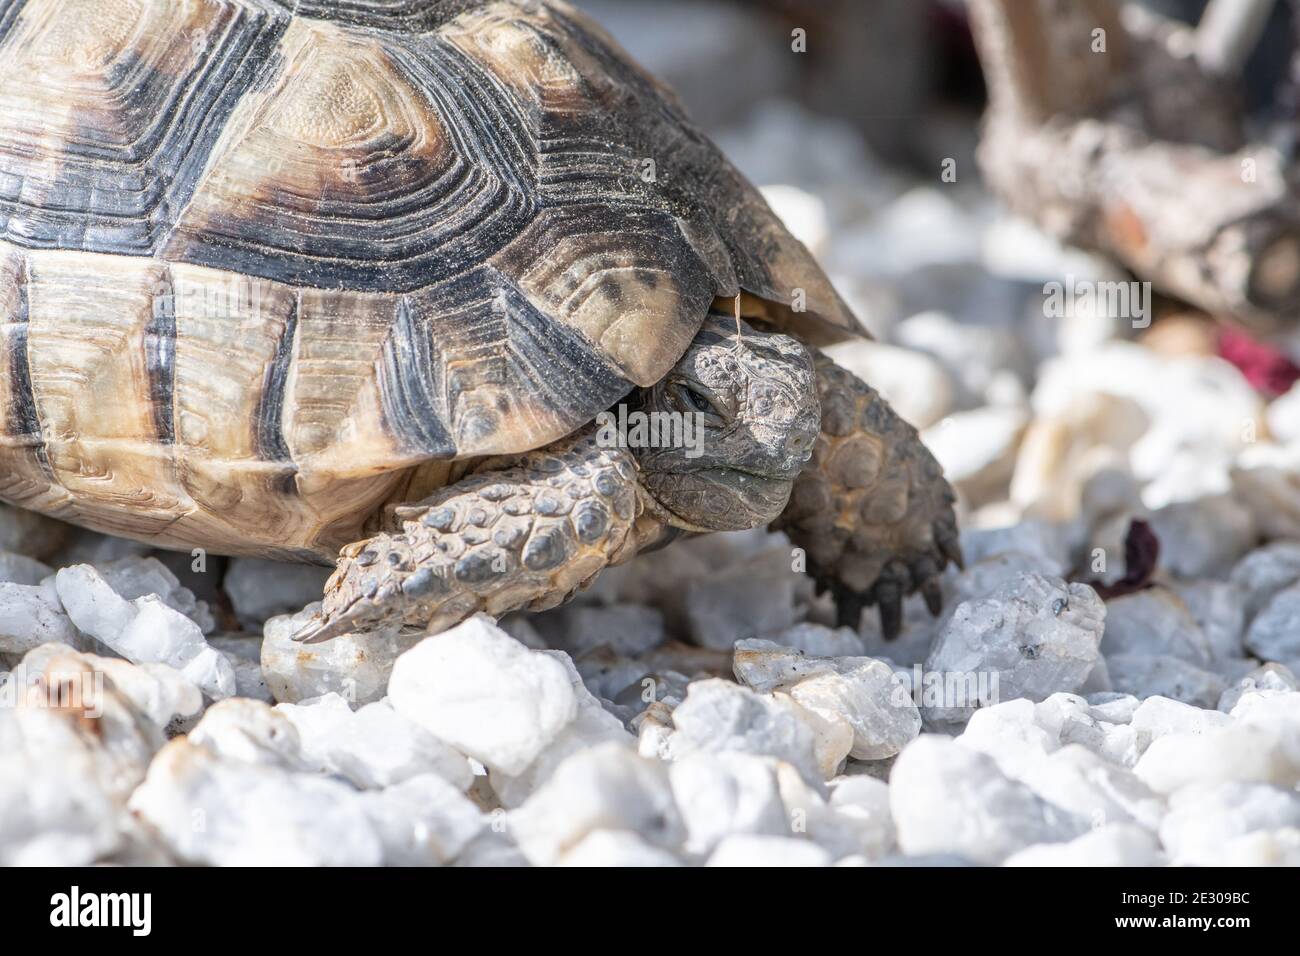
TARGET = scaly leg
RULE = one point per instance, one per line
(528, 534)
(872, 510)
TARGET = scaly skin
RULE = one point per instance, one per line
(526, 535)
(872, 510)
(871, 507)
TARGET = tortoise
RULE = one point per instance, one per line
(355, 282)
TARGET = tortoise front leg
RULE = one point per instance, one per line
(528, 534)
(872, 510)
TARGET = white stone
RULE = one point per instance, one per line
(1154, 622)
(31, 615)
(244, 651)
(946, 798)
(913, 642)
(143, 630)
(1268, 709)
(719, 716)
(374, 746)
(261, 589)
(1274, 634)
(721, 610)
(973, 354)
(1203, 819)
(354, 665)
(1270, 678)
(1204, 537)
(754, 850)
(863, 802)
(655, 734)
(1279, 847)
(812, 816)
(637, 696)
(251, 731)
(985, 576)
(1012, 735)
(20, 569)
(1044, 541)
(51, 815)
(1245, 752)
(766, 666)
(607, 787)
(977, 449)
(135, 576)
(627, 629)
(83, 546)
(726, 793)
(492, 847)
(1266, 571)
(1069, 719)
(1266, 478)
(1098, 679)
(422, 821)
(818, 640)
(74, 746)
(484, 693)
(1277, 713)
(615, 677)
(1108, 491)
(874, 702)
(1283, 416)
(1147, 675)
(1113, 707)
(1081, 782)
(1076, 461)
(1193, 403)
(159, 692)
(230, 813)
(592, 725)
(1115, 844)
(1219, 609)
(1103, 729)
(923, 226)
(1037, 635)
(832, 734)
(616, 848)
(1157, 717)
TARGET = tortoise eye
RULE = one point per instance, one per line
(699, 401)
(696, 401)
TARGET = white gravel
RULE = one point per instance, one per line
(697, 707)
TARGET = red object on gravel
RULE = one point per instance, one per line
(1141, 555)
(1265, 367)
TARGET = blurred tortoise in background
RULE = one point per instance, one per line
(352, 282)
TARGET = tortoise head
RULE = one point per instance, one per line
(740, 414)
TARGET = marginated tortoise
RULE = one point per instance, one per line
(353, 282)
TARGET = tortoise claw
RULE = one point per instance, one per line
(848, 608)
(329, 624)
(933, 595)
(317, 631)
(889, 597)
(950, 547)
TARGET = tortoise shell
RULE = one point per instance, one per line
(262, 260)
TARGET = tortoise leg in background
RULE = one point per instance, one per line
(871, 510)
(526, 534)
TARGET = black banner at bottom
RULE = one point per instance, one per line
(338, 906)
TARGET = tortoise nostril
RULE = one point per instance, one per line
(799, 443)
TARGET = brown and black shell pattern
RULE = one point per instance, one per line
(259, 259)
